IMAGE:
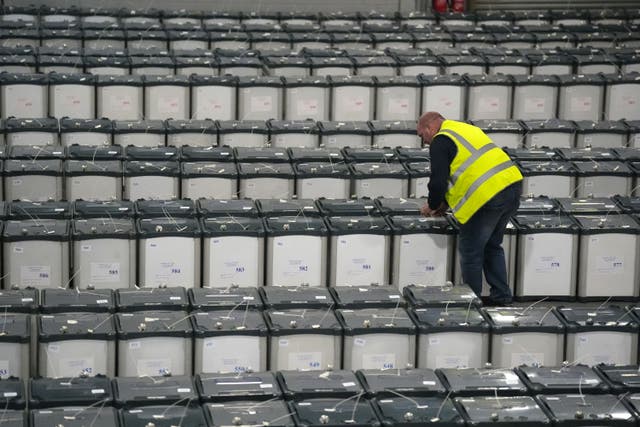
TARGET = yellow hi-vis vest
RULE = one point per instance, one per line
(479, 171)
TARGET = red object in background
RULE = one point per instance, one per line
(458, 5)
(439, 6)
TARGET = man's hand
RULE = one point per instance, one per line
(428, 212)
(442, 209)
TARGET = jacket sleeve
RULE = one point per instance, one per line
(442, 152)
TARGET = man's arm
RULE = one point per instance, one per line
(442, 151)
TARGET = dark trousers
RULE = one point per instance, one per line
(480, 244)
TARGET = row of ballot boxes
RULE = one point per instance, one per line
(475, 55)
(335, 398)
(308, 133)
(29, 15)
(241, 329)
(591, 96)
(560, 252)
(56, 173)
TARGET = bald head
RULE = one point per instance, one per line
(429, 125)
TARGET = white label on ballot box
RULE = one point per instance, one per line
(153, 367)
(260, 103)
(398, 105)
(452, 361)
(35, 275)
(379, 361)
(307, 106)
(534, 105)
(306, 360)
(529, 359)
(609, 264)
(489, 104)
(105, 272)
(580, 104)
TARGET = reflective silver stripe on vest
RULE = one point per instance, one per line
(481, 180)
(475, 153)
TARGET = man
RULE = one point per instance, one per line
(481, 185)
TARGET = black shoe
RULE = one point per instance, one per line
(490, 302)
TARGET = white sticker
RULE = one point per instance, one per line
(354, 105)
(215, 104)
(580, 104)
(26, 300)
(360, 266)
(153, 367)
(167, 270)
(97, 391)
(10, 394)
(307, 107)
(184, 390)
(53, 348)
(379, 361)
(419, 267)
(260, 104)
(102, 301)
(135, 345)
(629, 100)
(548, 264)
(175, 298)
(35, 275)
(21, 101)
(529, 359)
(452, 361)
(283, 343)
(398, 105)
(18, 250)
(349, 384)
(104, 272)
(428, 383)
(86, 248)
(122, 103)
(610, 264)
(321, 297)
(68, 100)
(507, 340)
(360, 342)
(306, 360)
(266, 385)
(489, 104)
(73, 366)
(4, 369)
(434, 340)
(234, 364)
(168, 105)
(534, 105)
